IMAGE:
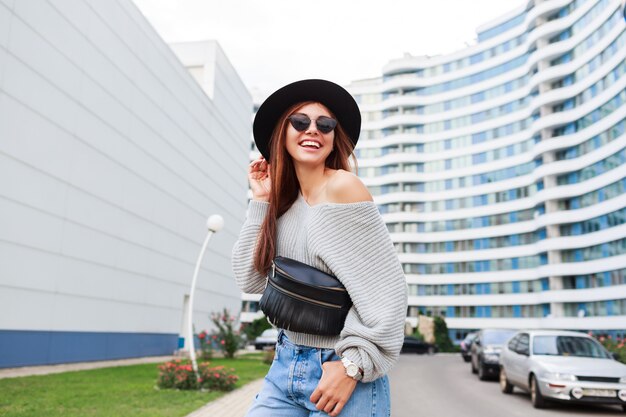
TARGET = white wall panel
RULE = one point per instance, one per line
(111, 160)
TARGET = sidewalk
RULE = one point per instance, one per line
(79, 366)
(233, 404)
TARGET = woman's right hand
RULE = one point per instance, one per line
(259, 177)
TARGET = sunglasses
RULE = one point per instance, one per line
(301, 122)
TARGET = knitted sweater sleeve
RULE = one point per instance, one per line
(353, 241)
(248, 279)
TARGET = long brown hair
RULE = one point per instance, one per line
(284, 182)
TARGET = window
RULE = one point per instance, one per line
(522, 345)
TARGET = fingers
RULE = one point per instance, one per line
(325, 402)
(317, 394)
(259, 159)
(335, 412)
(259, 169)
(259, 164)
(329, 405)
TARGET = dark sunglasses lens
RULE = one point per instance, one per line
(325, 124)
(300, 122)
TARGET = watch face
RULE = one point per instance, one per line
(352, 370)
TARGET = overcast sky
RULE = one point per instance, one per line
(273, 42)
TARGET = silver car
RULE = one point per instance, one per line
(557, 365)
(267, 339)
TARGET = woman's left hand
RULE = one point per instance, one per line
(334, 389)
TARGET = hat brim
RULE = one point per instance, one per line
(331, 95)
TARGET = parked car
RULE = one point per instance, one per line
(555, 365)
(268, 338)
(414, 345)
(466, 345)
(485, 352)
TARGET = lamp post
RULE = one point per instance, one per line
(215, 223)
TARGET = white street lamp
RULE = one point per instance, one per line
(215, 223)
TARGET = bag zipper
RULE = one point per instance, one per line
(303, 298)
(282, 271)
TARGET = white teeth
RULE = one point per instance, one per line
(310, 143)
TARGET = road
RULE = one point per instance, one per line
(443, 386)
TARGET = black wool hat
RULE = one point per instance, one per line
(331, 95)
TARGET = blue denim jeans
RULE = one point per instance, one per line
(293, 377)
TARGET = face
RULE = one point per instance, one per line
(301, 145)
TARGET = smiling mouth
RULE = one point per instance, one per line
(309, 144)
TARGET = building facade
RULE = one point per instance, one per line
(112, 158)
(499, 170)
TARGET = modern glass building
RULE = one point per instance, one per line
(499, 170)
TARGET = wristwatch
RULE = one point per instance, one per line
(352, 369)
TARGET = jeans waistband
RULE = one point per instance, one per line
(283, 340)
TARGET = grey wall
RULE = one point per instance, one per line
(111, 159)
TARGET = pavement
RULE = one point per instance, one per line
(232, 404)
(79, 366)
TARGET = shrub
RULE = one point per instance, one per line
(442, 339)
(206, 345)
(254, 329)
(268, 356)
(614, 346)
(228, 339)
(418, 335)
(179, 375)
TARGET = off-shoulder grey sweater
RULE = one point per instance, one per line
(351, 242)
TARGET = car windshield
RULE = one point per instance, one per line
(496, 338)
(470, 337)
(568, 346)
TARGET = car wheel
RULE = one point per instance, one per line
(624, 408)
(466, 358)
(482, 375)
(474, 370)
(505, 385)
(431, 350)
(535, 394)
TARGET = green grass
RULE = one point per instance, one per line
(112, 392)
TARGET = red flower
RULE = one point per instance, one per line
(222, 342)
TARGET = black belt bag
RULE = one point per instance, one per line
(304, 299)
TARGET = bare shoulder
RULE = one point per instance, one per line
(345, 187)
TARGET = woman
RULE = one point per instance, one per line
(308, 206)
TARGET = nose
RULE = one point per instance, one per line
(312, 129)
